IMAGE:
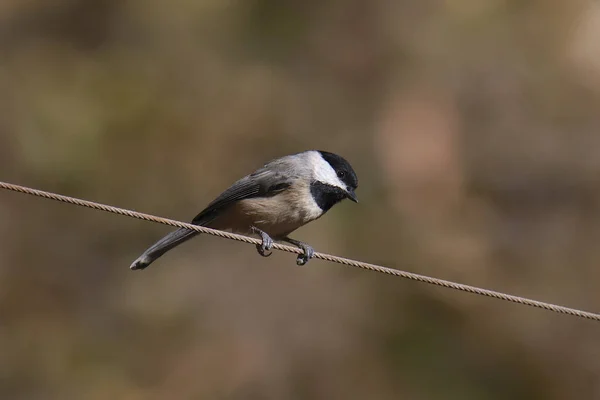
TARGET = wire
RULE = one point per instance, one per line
(322, 256)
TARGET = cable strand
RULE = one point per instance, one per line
(321, 256)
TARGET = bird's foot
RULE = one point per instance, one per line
(307, 251)
(264, 248)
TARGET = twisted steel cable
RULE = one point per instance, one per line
(322, 256)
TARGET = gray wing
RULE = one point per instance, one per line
(273, 178)
(267, 181)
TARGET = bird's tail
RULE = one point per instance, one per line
(165, 244)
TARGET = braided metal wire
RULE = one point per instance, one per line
(322, 256)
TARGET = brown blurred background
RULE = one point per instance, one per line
(473, 126)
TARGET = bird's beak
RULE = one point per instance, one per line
(351, 195)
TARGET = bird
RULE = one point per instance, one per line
(272, 202)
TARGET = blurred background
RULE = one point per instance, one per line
(473, 126)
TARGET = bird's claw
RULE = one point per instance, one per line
(308, 253)
(264, 248)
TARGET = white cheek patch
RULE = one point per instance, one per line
(324, 172)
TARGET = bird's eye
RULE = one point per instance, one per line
(341, 174)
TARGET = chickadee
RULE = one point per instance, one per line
(272, 202)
